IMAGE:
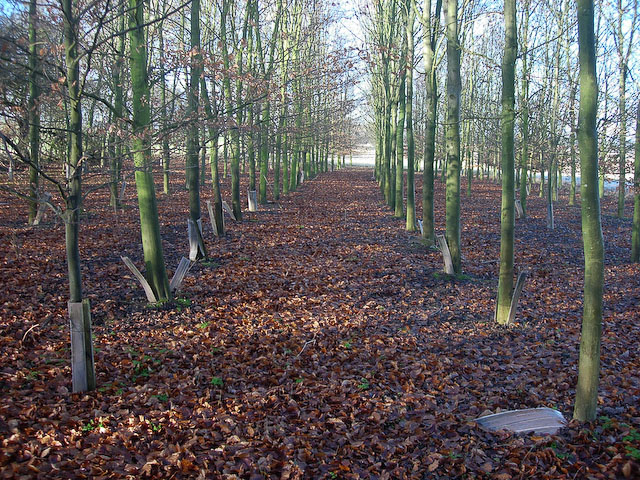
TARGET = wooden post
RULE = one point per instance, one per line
(252, 200)
(82, 366)
(446, 254)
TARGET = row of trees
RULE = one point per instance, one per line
(473, 119)
(546, 99)
(264, 85)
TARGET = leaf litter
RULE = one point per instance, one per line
(320, 341)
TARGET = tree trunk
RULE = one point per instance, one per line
(193, 143)
(431, 30)
(156, 273)
(635, 228)
(589, 363)
(411, 197)
(118, 109)
(74, 200)
(399, 131)
(33, 109)
(507, 223)
(213, 155)
(452, 197)
(524, 100)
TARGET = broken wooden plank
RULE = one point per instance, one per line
(196, 247)
(83, 376)
(212, 218)
(542, 420)
(151, 297)
(516, 295)
(183, 268)
(519, 211)
(42, 207)
(446, 254)
(227, 209)
(122, 189)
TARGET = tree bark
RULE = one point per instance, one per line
(33, 113)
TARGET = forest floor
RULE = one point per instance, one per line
(321, 340)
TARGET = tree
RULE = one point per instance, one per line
(524, 105)
(589, 361)
(411, 198)
(156, 273)
(193, 144)
(431, 28)
(85, 378)
(635, 229)
(452, 125)
(623, 64)
(507, 223)
(33, 113)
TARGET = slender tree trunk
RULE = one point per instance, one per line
(507, 224)
(622, 91)
(118, 113)
(166, 159)
(635, 229)
(589, 363)
(452, 197)
(524, 100)
(213, 155)
(85, 379)
(156, 273)
(193, 142)
(399, 131)
(431, 29)
(33, 108)
(411, 197)
(234, 133)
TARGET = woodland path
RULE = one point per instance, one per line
(321, 341)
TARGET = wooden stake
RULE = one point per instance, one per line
(252, 200)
